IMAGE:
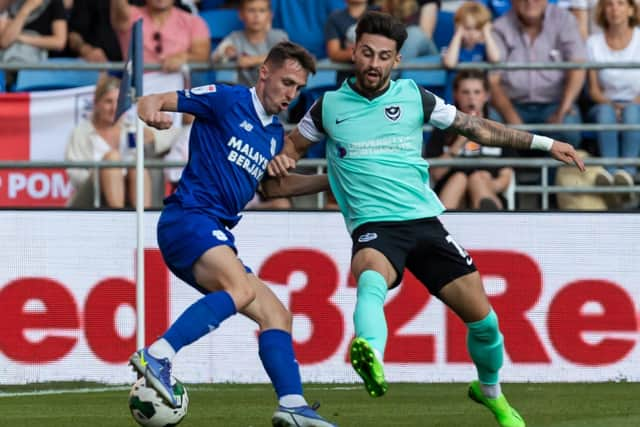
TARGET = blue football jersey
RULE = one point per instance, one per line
(232, 140)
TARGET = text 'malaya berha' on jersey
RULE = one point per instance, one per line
(231, 142)
(374, 150)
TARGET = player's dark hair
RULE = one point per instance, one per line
(243, 3)
(471, 75)
(382, 24)
(289, 50)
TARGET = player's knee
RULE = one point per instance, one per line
(242, 296)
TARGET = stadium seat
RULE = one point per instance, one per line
(221, 22)
(304, 21)
(2, 81)
(444, 30)
(433, 80)
(210, 4)
(227, 76)
(322, 79)
(34, 80)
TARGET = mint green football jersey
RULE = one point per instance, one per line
(374, 150)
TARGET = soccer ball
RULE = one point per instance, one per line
(151, 410)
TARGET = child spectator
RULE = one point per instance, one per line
(249, 47)
(472, 40)
(477, 188)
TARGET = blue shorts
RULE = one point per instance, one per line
(185, 234)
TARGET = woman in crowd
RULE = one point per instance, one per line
(99, 138)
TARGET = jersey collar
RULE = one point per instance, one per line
(265, 118)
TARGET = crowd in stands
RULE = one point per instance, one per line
(176, 32)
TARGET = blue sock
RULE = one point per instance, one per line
(276, 353)
(200, 318)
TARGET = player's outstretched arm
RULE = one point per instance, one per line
(293, 185)
(488, 132)
(151, 107)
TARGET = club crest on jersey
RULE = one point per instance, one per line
(392, 112)
(203, 89)
(274, 143)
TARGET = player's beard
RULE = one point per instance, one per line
(379, 82)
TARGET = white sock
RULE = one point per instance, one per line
(492, 391)
(292, 400)
(161, 349)
(378, 356)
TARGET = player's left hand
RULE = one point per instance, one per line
(566, 154)
(280, 165)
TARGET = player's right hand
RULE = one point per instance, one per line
(158, 120)
(280, 165)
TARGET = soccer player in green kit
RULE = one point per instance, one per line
(374, 127)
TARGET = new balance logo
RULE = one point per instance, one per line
(218, 234)
(367, 237)
(246, 126)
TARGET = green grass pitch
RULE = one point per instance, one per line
(428, 405)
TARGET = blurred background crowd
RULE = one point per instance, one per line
(239, 33)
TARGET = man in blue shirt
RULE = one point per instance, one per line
(235, 134)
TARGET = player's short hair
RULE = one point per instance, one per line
(382, 24)
(104, 85)
(243, 3)
(470, 75)
(601, 18)
(475, 10)
(289, 50)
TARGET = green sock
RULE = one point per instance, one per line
(368, 316)
(485, 344)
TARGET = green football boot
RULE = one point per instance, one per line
(367, 365)
(504, 413)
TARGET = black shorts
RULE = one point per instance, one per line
(423, 246)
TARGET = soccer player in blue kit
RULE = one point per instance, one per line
(373, 127)
(235, 134)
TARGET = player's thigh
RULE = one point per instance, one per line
(382, 247)
(266, 309)
(220, 269)
(437, 260)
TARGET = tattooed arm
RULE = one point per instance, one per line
(488, 132)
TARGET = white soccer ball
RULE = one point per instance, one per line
(151, 410)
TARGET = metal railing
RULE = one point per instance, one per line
(327, 65)
(319, 166)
